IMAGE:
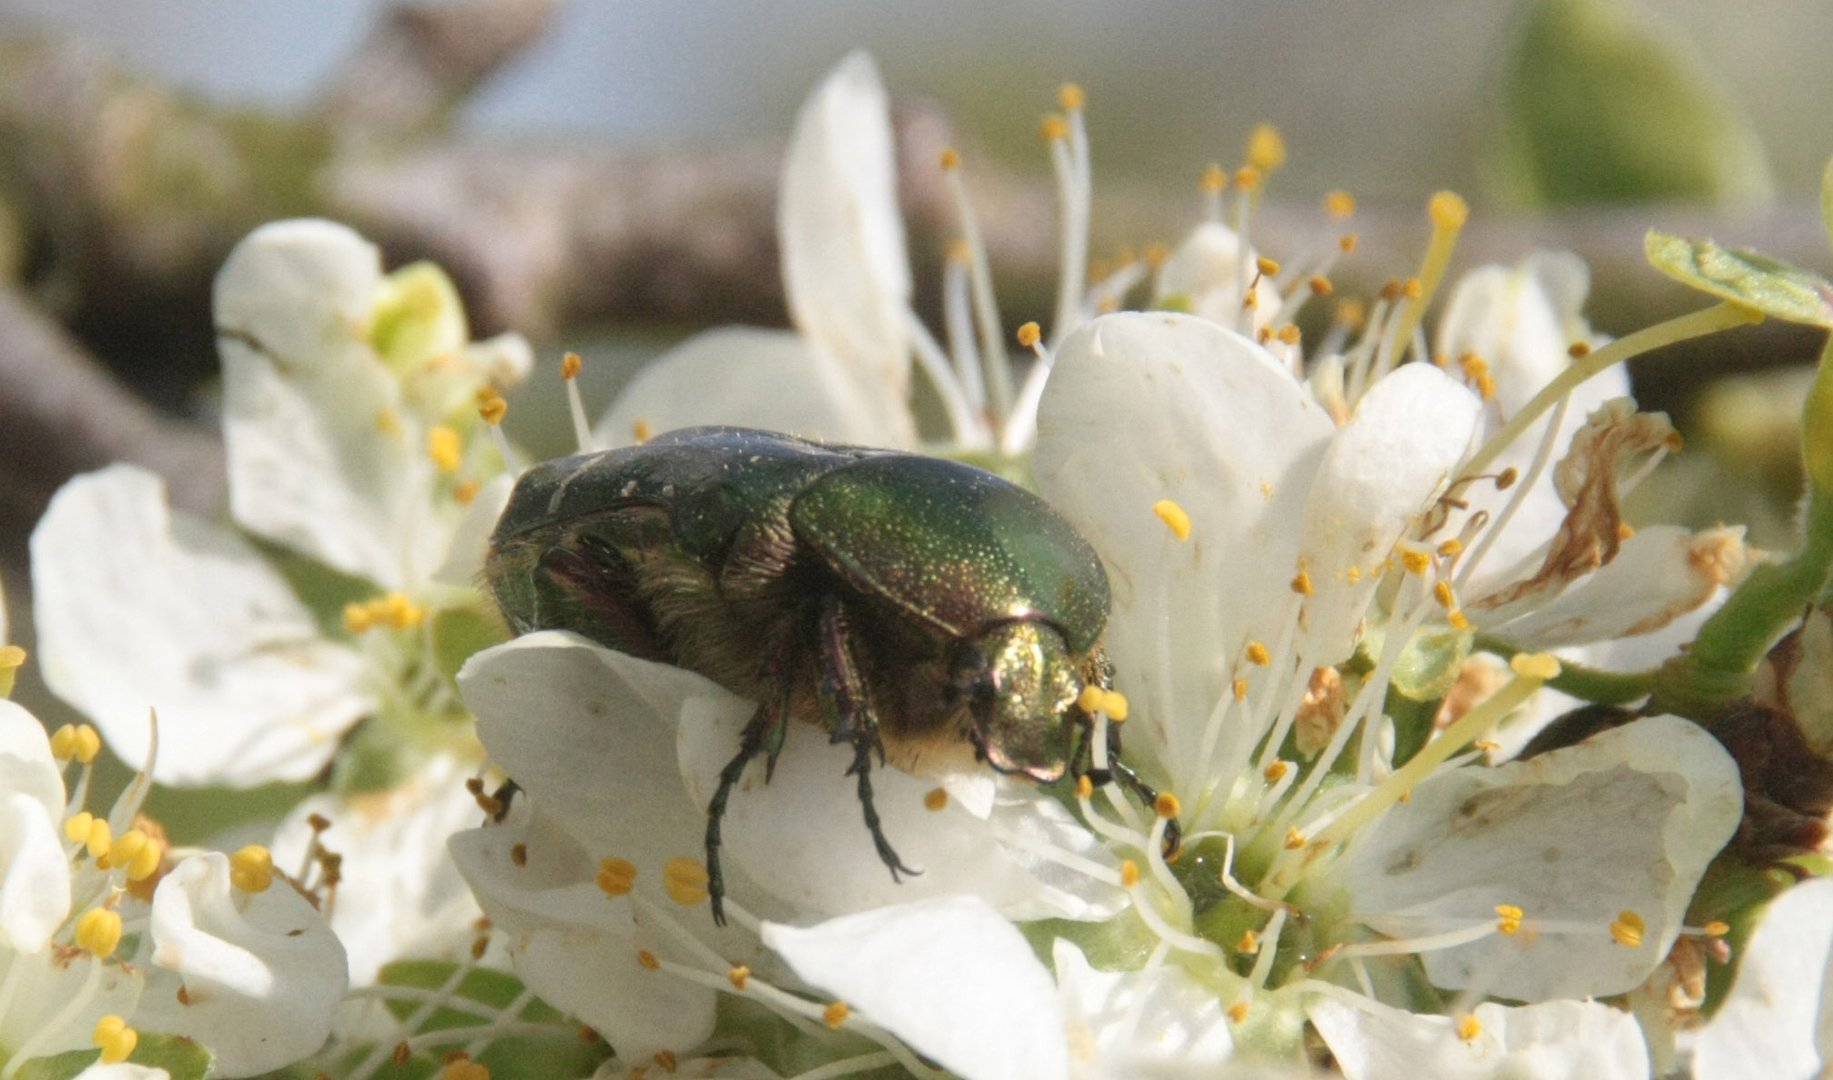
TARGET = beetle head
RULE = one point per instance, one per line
(1018, 681)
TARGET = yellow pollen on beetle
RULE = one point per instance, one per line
(114, 1038)
(835, 1015)
(648, 960)
(1239, 688)
(1415, 561)
(252, 869)
(739, 977)
(1053, 128)
(935, 800)
(1248, 178)
(1443, 594)
(445, 447)
(1301, 583)
(1508, 918)
(1542, 666)
(1249, 943)
(1085, 788)
(1448, 210)
(98, 932)
(616, 876)
(1450, 548)
(951, 158)
(1295, 839)
(1070, 97)
(570, 366)
(1468, 1027)
(1029, 334)
(1266, 266)
(1627, 929)
(1167, 805)
(1339, 204)
(685, 881)
(1266, 148)
(1215, 179)
(1129, 874)
(1258, 655)
(1277, 771)
(1174, 516)
(388, 422)
(1238, 1011)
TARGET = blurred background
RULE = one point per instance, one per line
(601, 176)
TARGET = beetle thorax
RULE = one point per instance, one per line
(1019, 680)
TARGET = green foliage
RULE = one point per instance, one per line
(1754, 281)
(181, 1058)
(517, 1057)
(1600, 107)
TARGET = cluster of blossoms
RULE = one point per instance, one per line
(1349, 579)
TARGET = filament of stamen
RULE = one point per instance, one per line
(980, 277)
(1448, 213)
(1021, 425)
(1269, 946)
(963, 418)
(958, 319)
(1068, 158)
(1543, 454)
(582, 431)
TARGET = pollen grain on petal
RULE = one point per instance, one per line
(1469, 1027)
(1174, 516)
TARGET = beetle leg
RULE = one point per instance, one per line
(765, 728)
(848, 709)
(1082, 764)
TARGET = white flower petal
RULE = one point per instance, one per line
(1124, 1023)
(398, 893)
(41, 984)
(464, 564)
(125, 1070)
(1144, 407)
(262, 973)
(34, 874)
(767, 379)
(322, 457)
(1659, 574)
(573, 944)
(1624, 821)
(1778, 1019)
(26, 765)
(1205, 272)
(139, 608)
(1406, 437)
(845, 272)
(951, 977)
(1552, 1041)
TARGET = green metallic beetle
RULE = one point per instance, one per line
(928, 612)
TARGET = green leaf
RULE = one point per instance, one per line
(1826, 199)
(57, 1067)
(182, 1058)
(1601, 105)
(1755, 281)
(530, 1057)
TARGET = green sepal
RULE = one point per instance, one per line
(182, 1058)
(1745, 278)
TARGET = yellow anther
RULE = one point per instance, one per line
(1578, 350)
(648, 960)
(1277, 771)
(1488, 746)
(1167, 805)
(252, 869)
(358, 618)
(739, 977)
(1450, 548)
(1258, 654)
(936, 800)
(1508, 918)
(1156, 253)
(1506, 478)
(1353, 574)
(388, 422)
(835, 1015)
(518, 854)
(401, 613)
(1250, 301)
(1457, 619)
(1085, 788)
(642, 431)
(1295, 839)
(1070, 97)
(1412, 288)
(1468, 1027)
(1339, 204)
(616, 876)
(1264, 334)
(1443, 594)
(1029, 334)
(136, 853)
(1390, 291)
(1129, 873)
(445, 447)
(1415, 561)
(1542, 666)
(1347, 243)
(1174, 516)
(99, 837)
(1215, 179)
(1320, 285)
(684, 880)
(1625, 530)
(1486, 387)
(1289, 334)
(959, 252)
(1089, 700)
(951, 158)
(464, 493)
(570, 366)
(491, 406)
(12, 658)
(88, 743)
(1448, 210)
(1266, 148)
(98, 932)
(1266, 266)
(461, 1067)
(1114, 704)
(1249, 943)
(63, 744)
(1248, 178)
(1627, 929)
(667, 1060)
(1716, 928)
(1239, 688)
(1053, 128)
(115, 1039)
(1238, 1011)
(1301, 583)
(76, 826)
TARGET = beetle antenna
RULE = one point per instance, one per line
(582, 431)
